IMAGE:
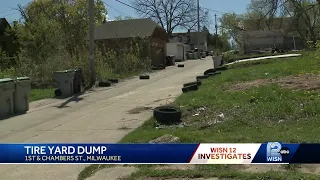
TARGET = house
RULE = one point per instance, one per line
(263, 34)
(263, 39)
(120, 34)
(193, 39)
(6, 42)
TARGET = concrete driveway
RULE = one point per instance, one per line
(99, 117)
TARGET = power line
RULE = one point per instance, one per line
(116, 9)
(128, 5)
(215, 11)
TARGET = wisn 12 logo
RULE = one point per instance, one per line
(275, 152)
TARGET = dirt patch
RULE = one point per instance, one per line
(139, 109)
(262, 168)
(303, 82)
(310, 168)
(176, 167)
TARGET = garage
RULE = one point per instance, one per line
(176, 49)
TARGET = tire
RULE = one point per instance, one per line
(202, 77)
(185, 90)
(180, 65)
(57, 93)
(144, 77)
(167, 114)
(209, 71)
(222, 68)
(198, 83)
(104, 84)
(189, 88)
(113, 80)
(213, 74)
(160, 67)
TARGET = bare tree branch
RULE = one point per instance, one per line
(172, 14)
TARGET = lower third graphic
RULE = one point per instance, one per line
(273, 152)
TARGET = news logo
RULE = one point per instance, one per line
(275, 152)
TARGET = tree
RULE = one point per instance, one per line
(172, 14)
(69, 20)
(51, 34)
(219, 42)
(304, 13)
(231, 23)
(306, 17)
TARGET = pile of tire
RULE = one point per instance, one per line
(194, 86)
(191, 86)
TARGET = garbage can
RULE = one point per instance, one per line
(204, 54)
(170, 61)
(78, 81)
(196, 55)
(64, 80)
(173, 60)
(6, 96)
(20, 95)
(217, 61)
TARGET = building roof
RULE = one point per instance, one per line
(264, 33)
(4, 22)
(125, 29)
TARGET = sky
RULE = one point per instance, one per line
(114, 8)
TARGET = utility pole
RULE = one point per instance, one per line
(198, 16)
(216, 26)
(91, 36)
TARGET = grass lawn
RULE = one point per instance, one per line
(37, 94)
(269, 100)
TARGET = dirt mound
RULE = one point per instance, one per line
(303, 82)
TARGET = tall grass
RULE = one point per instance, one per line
(108, 63)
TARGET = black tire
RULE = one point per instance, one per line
(113, 80)
(104, 84)
(160, 67)
(185, 90)
(198, 83)
(189, 88)
(144, 77)
(213, 74)
(180, 65)
(202, 77)
(209, 71)
(222, 68)
(167, 114)
(57, 93)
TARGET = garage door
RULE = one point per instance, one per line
(180, 52)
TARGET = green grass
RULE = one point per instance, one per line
(219, 171)
(250, 116)
(38, 94)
